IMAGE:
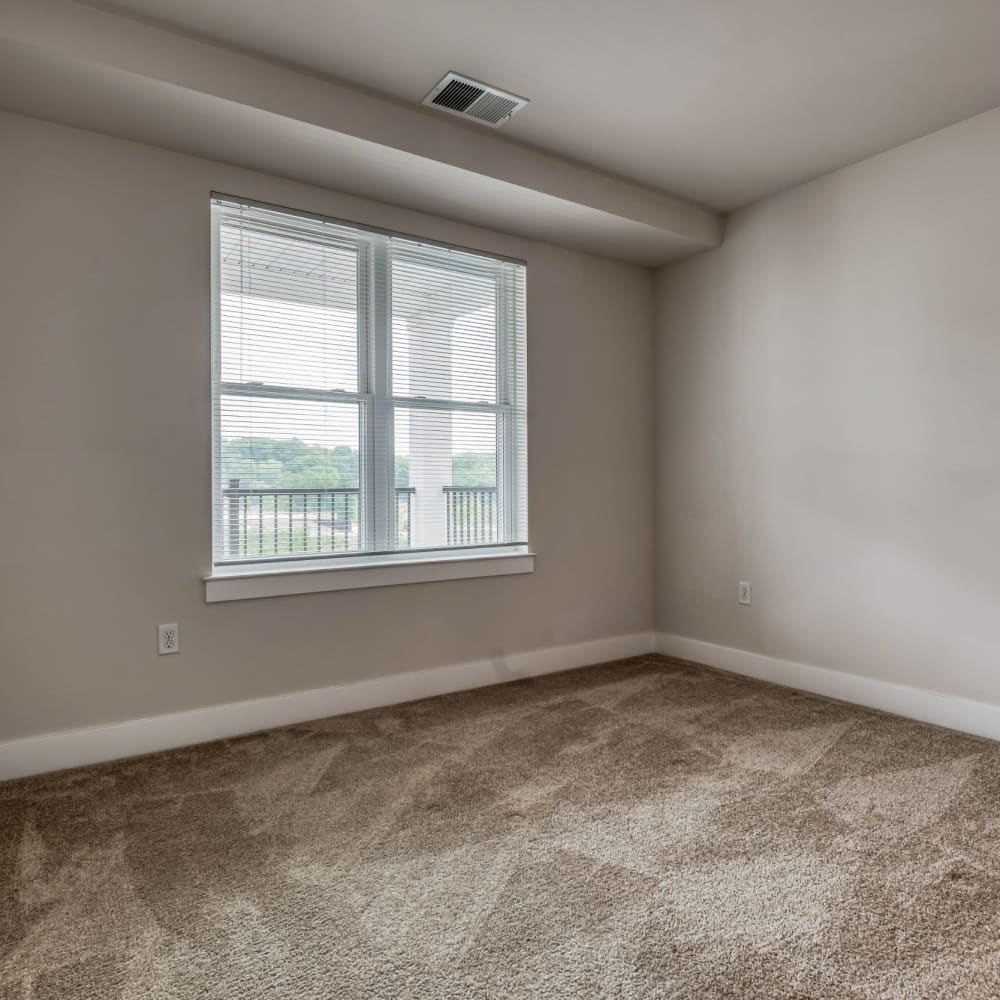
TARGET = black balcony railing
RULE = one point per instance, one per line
(272, 523)
(471, 514)
(290, 522)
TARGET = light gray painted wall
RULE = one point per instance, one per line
(829, 422)
(105, 442)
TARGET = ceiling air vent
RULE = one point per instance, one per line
(458, 95)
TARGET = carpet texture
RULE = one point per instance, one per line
(643, 829)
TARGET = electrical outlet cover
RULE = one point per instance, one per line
(168, 639)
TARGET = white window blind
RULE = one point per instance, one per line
(368, 391)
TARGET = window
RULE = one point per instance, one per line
(369, 395)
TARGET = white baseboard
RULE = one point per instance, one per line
(967, 716)
(75, 748)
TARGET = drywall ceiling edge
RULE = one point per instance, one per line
(58, 40)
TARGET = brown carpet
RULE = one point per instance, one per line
(648, 828)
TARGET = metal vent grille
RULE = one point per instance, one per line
(458, 95)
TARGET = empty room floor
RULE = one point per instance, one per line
(646, 828)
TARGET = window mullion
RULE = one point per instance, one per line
(381, 461)
(506, 431)
(461, 405)
(260, 390)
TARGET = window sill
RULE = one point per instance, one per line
(241, 583)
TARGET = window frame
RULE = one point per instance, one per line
(377, 403)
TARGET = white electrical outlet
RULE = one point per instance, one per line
(744, 597)
(168, 639)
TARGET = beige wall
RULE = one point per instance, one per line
(828, 425)
(829, 422)
(105, 441)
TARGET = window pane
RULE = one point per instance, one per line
(448, 460)
(288, 310)
(428, 340)
(289, 475)
(444, 326)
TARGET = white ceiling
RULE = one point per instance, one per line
(719, 101)
(78, 65)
